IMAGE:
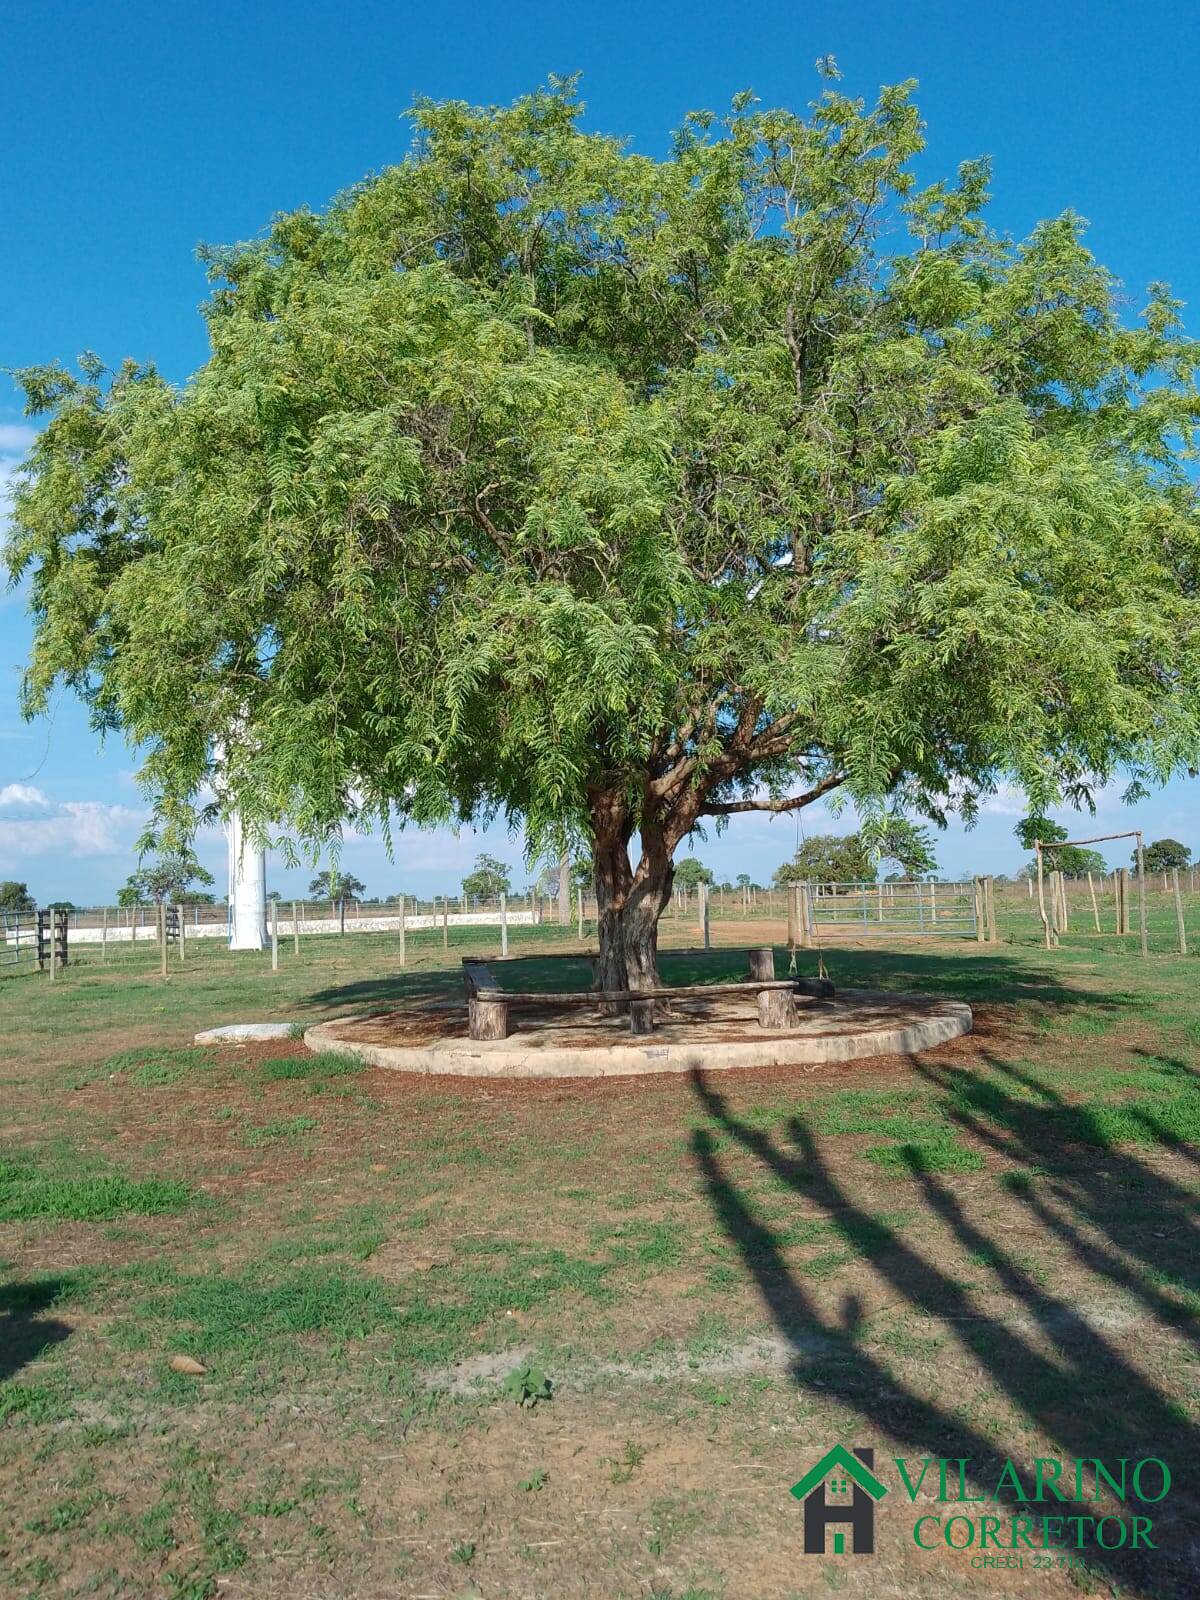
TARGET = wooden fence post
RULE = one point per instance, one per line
(808, 916)
(989, 896)
(445, 923)
(403, 932)
(503, 924)
(1050, 934)
(705, 934)
(274, 935)
(295, 929)
(980, 913)
(1179, 911)
(564, 889)
(162, 935)
(1141, 860)
(1095, 907)
(103, 936)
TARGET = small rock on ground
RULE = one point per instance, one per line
(245, 1030)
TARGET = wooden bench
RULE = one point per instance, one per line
(488, 1003)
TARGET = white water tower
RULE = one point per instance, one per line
(247, 889)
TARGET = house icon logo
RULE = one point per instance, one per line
(840, 1488)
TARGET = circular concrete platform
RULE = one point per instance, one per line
(709, 1035)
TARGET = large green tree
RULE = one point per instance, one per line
(488, 878)
(691, 873)
(855, 857)
(538, 476)
(1164, 854)
(1072, 860)
(167, 877)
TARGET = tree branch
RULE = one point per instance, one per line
(726, 808)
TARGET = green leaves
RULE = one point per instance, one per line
(527, 1385)
(535, 469)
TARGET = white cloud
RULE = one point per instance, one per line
(1008, 801)
(23, 797)
(32, 825)
(16, 438)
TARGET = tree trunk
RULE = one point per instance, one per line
(613, 875)
(629, 902)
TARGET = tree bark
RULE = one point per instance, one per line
(613, 875)
(629, 901)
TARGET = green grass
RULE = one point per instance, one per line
(311, 1067)
(917, 1238)
(280, 1130)
(26, 1194)
(878, 1111)
(943, 1154)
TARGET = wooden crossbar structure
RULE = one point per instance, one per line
(1049, 926)
(488, 1003)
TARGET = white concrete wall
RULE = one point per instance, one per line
(219, 930)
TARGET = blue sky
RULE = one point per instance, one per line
(132, 131)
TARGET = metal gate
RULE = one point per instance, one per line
(18, 937)
(910, 910)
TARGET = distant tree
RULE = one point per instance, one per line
(1033, 828)
(583, 874)
(166, 880)
(828, 858)
(1164, 854)
(1072, 860)
(905, 842)
(274, 894)
(15, 896)
(854, 857)
(689, 873)
(744, 881)
(334, 886)
(489, 878)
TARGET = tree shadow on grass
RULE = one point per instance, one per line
(1055, 1364)
(1127, 1223)
(24, 1333)
(1000, 978)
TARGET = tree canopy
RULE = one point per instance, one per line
(541, 477)
(334, 886)
(1072, 860)
(15, 896)
(855, 857)
(488, 879)
(167, 878)
(690, 873)
(1164, 854)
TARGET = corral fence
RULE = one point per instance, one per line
(817, 912)
(102, 934)
(912, 910)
